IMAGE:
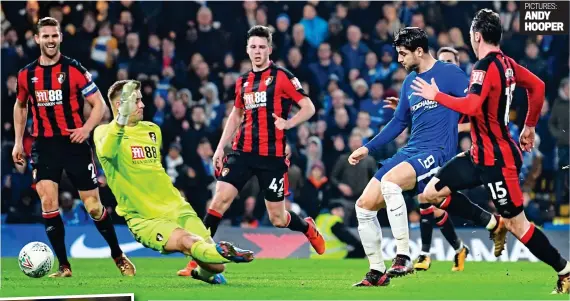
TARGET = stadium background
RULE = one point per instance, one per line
(189, 54)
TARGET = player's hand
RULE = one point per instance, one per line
(345, 189)
(358, 155)
(281, 123)
(18, 154)
(526, 138)
(424, 89)
(218, 160)
(78, 135)
(128, 102)
(392, 102)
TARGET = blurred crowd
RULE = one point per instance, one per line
(189, 54)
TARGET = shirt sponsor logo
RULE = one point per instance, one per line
(428, 104)
(48, 98)
(477, 77)
(137, 152)
(254, 100)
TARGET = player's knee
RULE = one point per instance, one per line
(278, 220)
(438, 212)
(430, 195)
(389, 187)
(93, 206)
(49, 202)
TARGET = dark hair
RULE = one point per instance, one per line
(488, 23)
(450, 50)
(47, 21)
(260, 31)
(411, 38)
(116, 89)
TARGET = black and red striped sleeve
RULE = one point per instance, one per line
(81, 78)
(238, 103)
(483, 77)
(22, 86)
(290, 85)
(535, 89)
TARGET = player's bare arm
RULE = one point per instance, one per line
(20, 116)
(306, 112)
(234, 120)
(79, 135)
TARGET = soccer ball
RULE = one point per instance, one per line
(36, 259)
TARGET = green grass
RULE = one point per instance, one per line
(289, 279)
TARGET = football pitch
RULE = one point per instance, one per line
(290, 279)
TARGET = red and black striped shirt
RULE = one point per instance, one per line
(260, 94)
(491, 88)
(56, 93)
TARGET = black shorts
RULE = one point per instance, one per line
(501, 182)
(51, 156)
(239, 167)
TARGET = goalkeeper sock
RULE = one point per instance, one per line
(206, 252)
(204, 274)
(426, 226)
(448, 230)
(56, 235)
(105, 226)
(212, 221)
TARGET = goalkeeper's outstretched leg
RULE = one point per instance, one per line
(195, 246)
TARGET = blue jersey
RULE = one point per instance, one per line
(433, 126)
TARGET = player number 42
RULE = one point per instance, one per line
(273, 186)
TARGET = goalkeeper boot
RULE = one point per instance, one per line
(374, 278)
(562, 285)
(459, 260)
(315, 237)
(423, 263)
(63, 271)
(125, 265)
(187, 271)
(499, 236)
(233, 253)
(401, 266)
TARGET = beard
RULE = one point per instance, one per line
(46, 51)
(412, 67)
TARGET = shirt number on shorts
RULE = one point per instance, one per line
(498, 192)
(91, 168)
(273, 186)
(428, 162)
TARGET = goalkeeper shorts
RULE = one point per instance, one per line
(153, 233)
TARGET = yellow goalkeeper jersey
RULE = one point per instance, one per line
(130, 157)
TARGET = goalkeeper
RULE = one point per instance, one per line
(156, 214)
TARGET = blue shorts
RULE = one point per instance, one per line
(426, 164)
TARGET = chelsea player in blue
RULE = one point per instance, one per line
(432, 142)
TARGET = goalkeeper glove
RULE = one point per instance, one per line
(128, 103)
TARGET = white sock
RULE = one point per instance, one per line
(371, 237)
(566, 269)
(492, 223)
(397, 215)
